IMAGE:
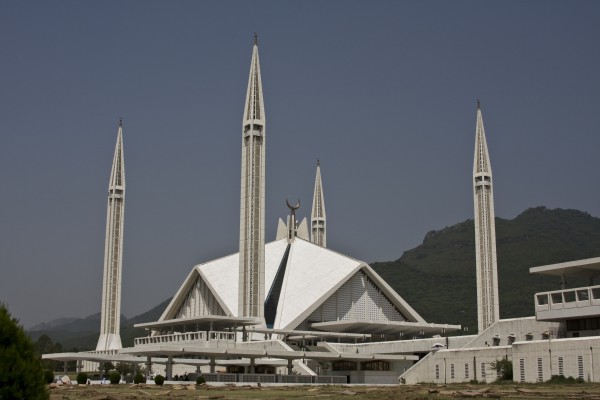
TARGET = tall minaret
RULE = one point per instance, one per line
(485, 231)
(318, 234)
(252, 206)
(110, 338)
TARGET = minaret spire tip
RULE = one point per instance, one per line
(478, 104)
(120, 122)
(255, 39)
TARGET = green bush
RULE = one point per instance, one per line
(82, 378)
(504, 369)
(561, 379)
(21, 372)
(139, 378)
(48, 376)
(114, 377)
(159, 380)
(200, 380)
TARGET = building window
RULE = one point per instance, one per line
(375, 366)
(569, 296)
(522, 369)
(437, 371)
(482, 371)
(583, 295)
(540, 370)
(343, 366)
(556, 298)
(561, 366)
(466, 370)
(451, 371)
(580, 366)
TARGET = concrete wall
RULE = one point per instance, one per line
(402, 346)
(460, 365)
(537, 361)
(519, 327)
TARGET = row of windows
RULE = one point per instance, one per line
(540, 369)
(453, 374)
(569, 296)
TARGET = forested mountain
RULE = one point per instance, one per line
(437, 278)
(83, 333)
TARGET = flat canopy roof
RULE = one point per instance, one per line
(191, 350)
(85, 356)
(310, 334)
(218, 322)
(384, 327)
(586, 268)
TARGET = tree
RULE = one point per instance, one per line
(139, 378)
(82, 378)
(106, 367)
(44, 345)
(114, 377)
(21, 372)
(504, 369)
(124, 368)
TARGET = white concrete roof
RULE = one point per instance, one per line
(313, 274)
(222, 275)
(586, 268)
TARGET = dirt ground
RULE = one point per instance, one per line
(422, 391)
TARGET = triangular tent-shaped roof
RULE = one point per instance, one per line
(311, 276)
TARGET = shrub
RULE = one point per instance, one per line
(139, 378)
(21, 372)
(200, 380)
(504, 369)
(561, 379)
(159, 380)
(48, 376)
(114, 377)
(82, 378)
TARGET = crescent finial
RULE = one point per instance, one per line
(291, 207)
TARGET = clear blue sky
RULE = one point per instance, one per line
(383, 92)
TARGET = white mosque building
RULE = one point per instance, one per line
(294, 311)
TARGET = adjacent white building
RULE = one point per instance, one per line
(563, 338)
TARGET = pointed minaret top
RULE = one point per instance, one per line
(117, 175)
(481, 164)
(478, 104)
(254, 109)
(255, 39)
(317, 215)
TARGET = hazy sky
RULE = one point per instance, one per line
(382, 92)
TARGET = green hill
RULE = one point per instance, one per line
(82, 333)
(437, 278)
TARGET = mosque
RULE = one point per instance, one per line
(294, 311)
